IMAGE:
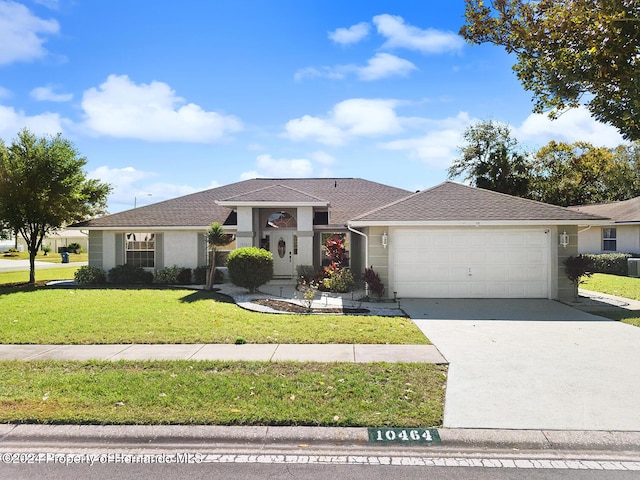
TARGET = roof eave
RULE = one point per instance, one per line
(476, 223)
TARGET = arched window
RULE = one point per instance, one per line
(281, 220)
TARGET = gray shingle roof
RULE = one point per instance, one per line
(276, 193)
(347, 197)
(624, 211)
(451, 201)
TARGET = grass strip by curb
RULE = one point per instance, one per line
(222, 393)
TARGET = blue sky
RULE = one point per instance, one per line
(167, 98)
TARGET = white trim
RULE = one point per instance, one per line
(148, 228)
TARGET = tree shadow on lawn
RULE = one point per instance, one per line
(191, 297)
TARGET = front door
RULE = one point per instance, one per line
(282, 251)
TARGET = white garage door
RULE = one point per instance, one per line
(470, 263)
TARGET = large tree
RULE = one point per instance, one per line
(579, 173)
(492, 159)
(569, 52)
(43, 187)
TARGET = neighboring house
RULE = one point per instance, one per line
(622, 236)
(451, 240)
(54, 240)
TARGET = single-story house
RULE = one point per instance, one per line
(622, 236)
(449, 241)
(54, 240)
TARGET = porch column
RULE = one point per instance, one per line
(244, 234)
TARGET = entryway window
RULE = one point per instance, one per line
(281, 220)
(609, 239)
(140, 249)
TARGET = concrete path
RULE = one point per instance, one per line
(533, 364)
(252, 352)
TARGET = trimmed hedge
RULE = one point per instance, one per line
(611, 263)
(86, 275)
(130, 275)
(250, 267)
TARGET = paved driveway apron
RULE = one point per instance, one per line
(533, 364)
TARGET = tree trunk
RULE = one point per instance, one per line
(211, 274)
(32, 266)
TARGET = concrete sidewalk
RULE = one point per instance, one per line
(20, 265)
(228, 352)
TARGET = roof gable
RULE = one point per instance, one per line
(273, 194)
(450, 202)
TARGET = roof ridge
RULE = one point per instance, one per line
(269, 187)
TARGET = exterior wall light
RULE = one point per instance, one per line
(564, 239)
(385, 240)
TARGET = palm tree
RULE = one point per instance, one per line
(216, 237)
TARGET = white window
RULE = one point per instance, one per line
(140, 249)
(609, 239)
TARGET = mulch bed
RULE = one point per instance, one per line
(289, 307)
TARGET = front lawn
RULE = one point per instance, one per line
(626, 287)
(49, 315)
(222, 393)
(50, 257)
(42, 275)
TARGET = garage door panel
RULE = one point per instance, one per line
(470, 264)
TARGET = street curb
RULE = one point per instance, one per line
(12, 435)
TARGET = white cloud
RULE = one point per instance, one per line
(401, 35)
(572, 126)
(283, 167)
(12, 121)
(48, 94)
(356, 117)
(22, 34)
(385, 65)
(267, 166)
(353, 34)
(4, 93)
(438, 147)
(128, 187)
(121, 108)
(323, 158)
(382, 65)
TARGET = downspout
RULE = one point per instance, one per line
(366, 244)
(588, 228)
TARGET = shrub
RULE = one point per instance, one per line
(184, 277)
(167, 276)
(74, 247)
(130, 275)
(611, 263)
(340, 281)
(374, 283)
(200, 275)
(305, 273)
(250, 267)
(86, 275)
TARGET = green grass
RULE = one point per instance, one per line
(48, 315)
(222, 393)
(42, 275)
(626, 287)
(41, 257)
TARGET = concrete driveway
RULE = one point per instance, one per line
(533, 364)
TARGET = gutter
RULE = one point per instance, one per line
(366, 244)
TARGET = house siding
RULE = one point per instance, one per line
(628, 239)
(379, 256)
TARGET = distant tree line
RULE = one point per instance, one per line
(558, 173)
